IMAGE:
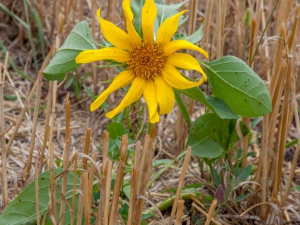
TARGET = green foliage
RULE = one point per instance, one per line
(209, 136)
(233, 81)
(78, 40)
(22, 210)
(116, 129)
(196, 36)
(217, 105)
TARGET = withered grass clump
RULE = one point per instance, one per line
(41, 129)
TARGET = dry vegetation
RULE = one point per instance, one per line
(38, 123)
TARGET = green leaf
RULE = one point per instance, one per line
(196, 36)
(205, 136)
(166, 11)
(116, 129)
(244, 173)
(22, 210)
(182, 108)
(239, 86)
(241, 198)
(78, 40)
(217, 105)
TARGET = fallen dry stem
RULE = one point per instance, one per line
(211, 211)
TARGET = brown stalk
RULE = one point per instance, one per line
(36, 180)
(199, 209)
(86, 198)
(284, 124)
(181, 181)
(86, 147)
(81, 10)
(179, 212)
(102, 192)
(206, 28)
(253, 28)
(277, 58)
(264, 158)
(211, 211)
(273, 116)
(107, 192)
(91, 178)
(74, 183)
(65, 162)
(137, 152)
(294, 28)
(52, 185)
(81, 200)
(105, 145)
(220, 26)
(240, 31)
(143, 175)
(3, 141)
(119, 180)
(297, 152)
(34, 126)
(257, 22)
(133, 191)
(46, 130)
(116, 193)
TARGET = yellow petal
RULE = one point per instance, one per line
(165, 95)
(167, 29)
(149, 12)
(121, 80)
(113, 34)
(110, 53)
(134, 37)
(185, 61)
(151, 100)
(173, 46)
(135, 92)
(176, 80)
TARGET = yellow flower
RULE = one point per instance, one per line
(150, 63)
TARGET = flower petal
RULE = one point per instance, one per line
(167, 29)
(135, 92)
(185, 61)
(176, 80)
(173, 46)
(149, 12)
(121, 80)
(113, 34)
(134, 36)
(165, 95)
(110, 53)
(151, 100)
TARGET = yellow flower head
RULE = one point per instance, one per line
(150, 63)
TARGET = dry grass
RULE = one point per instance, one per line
(37, 128)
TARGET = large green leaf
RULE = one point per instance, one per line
(116, 129)
(22, 210)
(239, 86)
(78, 40)
(209, 136)
(215, 104)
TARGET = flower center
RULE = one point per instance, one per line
(146, 61)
